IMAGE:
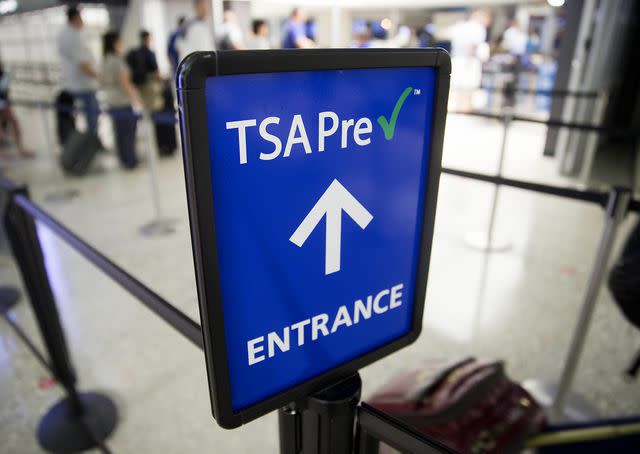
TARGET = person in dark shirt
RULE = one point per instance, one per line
(144, 72)
(172, 50)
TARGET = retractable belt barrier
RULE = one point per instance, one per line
(81, 420)
(92, 417)
(166, 117)
(602, 130)
(510, 90)
(160, 225)
(160, 117)
(617, 203)
(372, 426)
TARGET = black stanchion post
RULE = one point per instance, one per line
(81, 420)
(290, 429)
(324, 423)
(365, 442)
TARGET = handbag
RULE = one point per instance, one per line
(469, 405)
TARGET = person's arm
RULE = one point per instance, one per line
(87, 68)
(130, 90)
(83, 58)
(302, 42)
(300, 38)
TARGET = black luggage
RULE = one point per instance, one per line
(78, 152)
(65, 119)
(164, 122)
(624, 278)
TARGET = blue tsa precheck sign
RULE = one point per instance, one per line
(319, 192)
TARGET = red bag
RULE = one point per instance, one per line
(469, 405)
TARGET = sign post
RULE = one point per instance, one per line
(312, 179)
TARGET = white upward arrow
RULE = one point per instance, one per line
(334, 200)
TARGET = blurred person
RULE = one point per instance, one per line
(295, 36)
(514, 40)
(122, 99)
(403, 37)
(533, 43)
(8, 118)
(311, 29)
(230, 36)
(363, 36)
(172, 50)
(468, 49)
(198, 34)
(426, 35)
(79, 75)
(145, 73)
(260, 35)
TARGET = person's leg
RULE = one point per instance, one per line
(3, 143)
(125, 126)
(117, 121)
(8, 116)
(132, 125)
(91, 109)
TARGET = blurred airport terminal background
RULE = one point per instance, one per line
(542, 92)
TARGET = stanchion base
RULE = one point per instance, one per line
(61, 431)
(576, 409)
(9, 297)
(61, 196)
(479, 241)
(158, 227)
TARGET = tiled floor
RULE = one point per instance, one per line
(519, 305)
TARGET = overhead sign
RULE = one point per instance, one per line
(312, 180)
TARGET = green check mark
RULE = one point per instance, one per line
(389, 127)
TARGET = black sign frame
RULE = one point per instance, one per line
(192, 75)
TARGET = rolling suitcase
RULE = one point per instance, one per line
(65, 120)
(78, 153)
(164, 123)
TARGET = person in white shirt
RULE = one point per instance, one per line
(514, 40)
(468, 49)
(231, 36)
(198, 34)
(79, 74)
(260, 36)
